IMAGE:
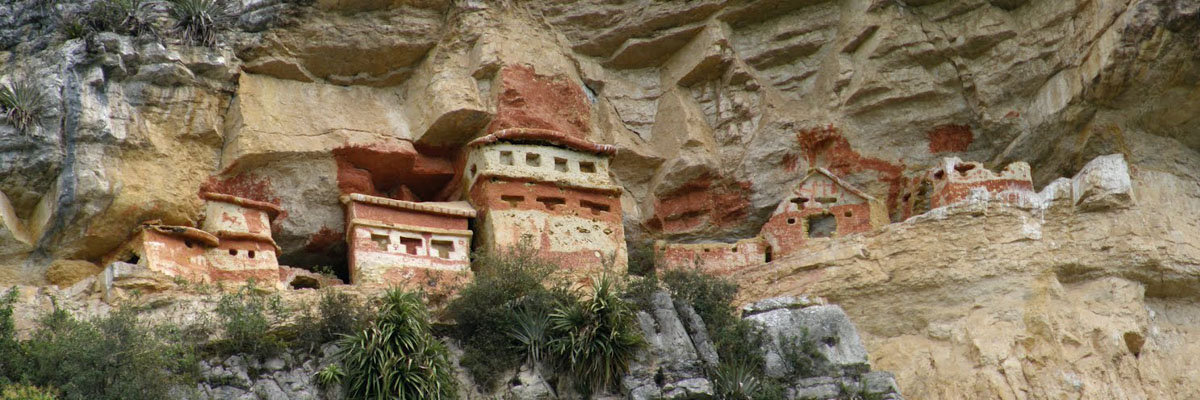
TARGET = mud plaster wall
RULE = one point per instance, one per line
(239, 260)
(574, 227)
(376, 253)
(391, 215)
(955, 180)
(787, 233)
(545, 163)
(170, 255)
(220, 216)
(712, 258)
(528, 100)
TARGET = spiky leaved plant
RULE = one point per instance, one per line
(22, 104)
(397, 357)
(198, 21)
(594, 339)
(125, 17)
(737, 381)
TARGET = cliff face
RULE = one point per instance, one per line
(717, 109)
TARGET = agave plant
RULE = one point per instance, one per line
(397, 357)
(596, 338)
(22, 104)
(198, 21)
(736, 382)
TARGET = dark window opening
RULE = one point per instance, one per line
(821, 225)
(305, 282)
(963, 168)
(560, 164)
(551, 202)
(250, 254)
(233, 252)
(133, 259)
(187, 243)
(442, 248)
(734, 249)
(596, 208)
(506, 158)
(849, 213)
(512, 200)
(533, 159)
(791, 221)
(827, 200)
(799, 201)
(707, 249)
(767, 254)
(410, 245)
(381, 240)
(587, 166)
(939, 174)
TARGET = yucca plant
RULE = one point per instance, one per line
(198, 21)
(22, 104)
(397, 357)
(531, 329)
(331, 375)
(594, 339)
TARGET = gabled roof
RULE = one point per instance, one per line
(271, 209)
(836, 181)
(547, 136)
(451, 208)
(184, 232)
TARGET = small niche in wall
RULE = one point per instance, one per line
(381, 240)
(410, 245)
(442, 248)
(596, 208)
(533, 159)
(512, 200)
(506, 158)
(587, 167)
(560, 164)
(551, 202)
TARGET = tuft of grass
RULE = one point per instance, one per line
(126, 17)
(397, 356)
(331, 375)
(198, 21)
(26, 392)
(22, 104)
(595, 338)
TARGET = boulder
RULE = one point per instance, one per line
(1103, 184)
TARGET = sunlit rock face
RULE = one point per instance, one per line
(715, 111)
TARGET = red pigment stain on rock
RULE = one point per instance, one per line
(396, 171)
(703, 201)
(529, 100)
(324, 240)
(244, 185)
(1012, 114)
(826, 147)
(789, 162)
(950, 138)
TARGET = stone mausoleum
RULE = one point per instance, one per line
(398, 242)
(550, 189)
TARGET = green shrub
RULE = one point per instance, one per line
(10, 349)
(397, 355)
(641, 257)
(332, 374)
(113, 357)
(506, 283)
(802, 355)
(594, 339)
(248, 318)
(338, 314)
(198, 21)
(26, 392)
(22, 104)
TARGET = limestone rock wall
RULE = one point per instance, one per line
(717, 109)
